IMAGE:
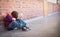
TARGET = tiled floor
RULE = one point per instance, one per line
(46, 27)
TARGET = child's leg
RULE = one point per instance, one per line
(13, 25)
(25, 28)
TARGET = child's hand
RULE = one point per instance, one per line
(13, 19)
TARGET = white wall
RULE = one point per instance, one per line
(52, 1)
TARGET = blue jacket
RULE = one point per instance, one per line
(19, 23)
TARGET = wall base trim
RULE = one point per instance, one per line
(33, 19)
(41, 17)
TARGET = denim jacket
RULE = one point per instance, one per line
(19, 23)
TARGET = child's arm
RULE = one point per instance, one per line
(21, 21)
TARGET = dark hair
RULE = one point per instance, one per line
(14, 14)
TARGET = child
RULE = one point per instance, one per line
(17, 23)
(7, 21)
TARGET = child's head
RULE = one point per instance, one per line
(14, 14)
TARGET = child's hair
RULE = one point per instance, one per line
(14, 14)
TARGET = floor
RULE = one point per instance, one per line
(45, 27)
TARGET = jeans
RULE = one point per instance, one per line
(17, 23)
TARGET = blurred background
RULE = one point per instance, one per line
(42, 16)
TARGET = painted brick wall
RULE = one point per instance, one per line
(50, 7)
(56, 7)
(53, 7)
(26, 8)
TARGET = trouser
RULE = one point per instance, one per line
(15, 24)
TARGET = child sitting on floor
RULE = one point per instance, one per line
(17, 23)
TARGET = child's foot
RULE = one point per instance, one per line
(15, 28)
(24, 29)
(28, 28)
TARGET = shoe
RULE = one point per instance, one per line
(24, 29)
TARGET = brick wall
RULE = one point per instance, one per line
(26, 8)
(53, 7)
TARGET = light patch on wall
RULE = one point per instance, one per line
(22, 14)
(58, 1)
(52, 1)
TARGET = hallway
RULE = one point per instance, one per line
(45, 27)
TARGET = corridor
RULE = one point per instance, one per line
(45, 27)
